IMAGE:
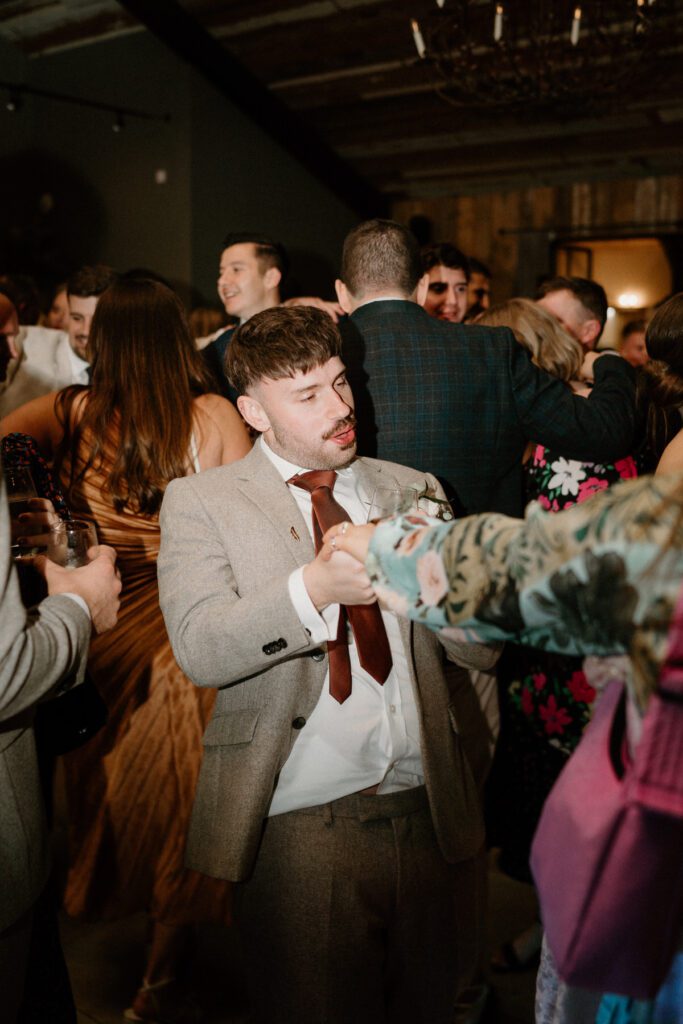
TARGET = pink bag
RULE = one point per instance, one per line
(607, 856)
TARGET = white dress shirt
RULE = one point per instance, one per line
(79, 368)
(373, 738)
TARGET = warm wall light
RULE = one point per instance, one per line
(611, 312)
(630, 300)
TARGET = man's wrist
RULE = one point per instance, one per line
(318, 598)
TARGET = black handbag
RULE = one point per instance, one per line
(70, 720)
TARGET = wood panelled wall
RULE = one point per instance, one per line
(513, 232)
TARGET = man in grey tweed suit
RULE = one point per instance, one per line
(42, 653)
(350, 822)
(460, 400)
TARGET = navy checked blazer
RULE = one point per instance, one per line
(463, 401)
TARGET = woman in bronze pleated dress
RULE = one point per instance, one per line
(144, 420)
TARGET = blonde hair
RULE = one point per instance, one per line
(551, 348)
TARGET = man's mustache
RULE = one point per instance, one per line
(348, 421)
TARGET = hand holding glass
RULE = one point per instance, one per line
(70, 541)
(20, 490)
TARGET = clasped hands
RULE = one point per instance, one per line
(337, 574)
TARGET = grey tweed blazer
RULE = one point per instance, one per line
(41, 654)
(231, 536)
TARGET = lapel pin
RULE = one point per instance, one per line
(294, 534)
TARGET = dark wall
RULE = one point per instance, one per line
(247, 182)
(82, 193)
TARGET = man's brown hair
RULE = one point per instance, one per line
(381, 256)
(278, 343)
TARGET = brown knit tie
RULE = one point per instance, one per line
(374, 653)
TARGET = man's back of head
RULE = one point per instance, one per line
(380, 258)
(579, 304)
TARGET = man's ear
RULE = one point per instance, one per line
(344, 296)
(422, 289)
(253, 412)
(590, 332)
(272, 278)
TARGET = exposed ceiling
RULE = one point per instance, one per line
(350, 70)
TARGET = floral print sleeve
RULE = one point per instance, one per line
(588, 580)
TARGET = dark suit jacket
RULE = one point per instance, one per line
(214, 360)
(462, 402)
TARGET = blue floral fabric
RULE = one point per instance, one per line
(589, 580)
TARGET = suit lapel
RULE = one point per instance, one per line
(262, 484)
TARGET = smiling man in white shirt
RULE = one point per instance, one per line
(334, 786)
(47, 360)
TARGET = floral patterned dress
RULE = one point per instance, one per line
(600, 578)
(546, 698)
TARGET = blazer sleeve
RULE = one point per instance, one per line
(219, 635)
(600, 428)
(42, 650)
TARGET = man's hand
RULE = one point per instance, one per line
(333, 309)
(98, 583)
(339, 579)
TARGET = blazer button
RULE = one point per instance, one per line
(299, 722)
(268, 649)
(318, 655)
(281, 643)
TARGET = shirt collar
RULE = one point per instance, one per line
(384, 298)
(78, 365)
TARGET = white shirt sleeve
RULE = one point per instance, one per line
(79, 601)
(321, 627)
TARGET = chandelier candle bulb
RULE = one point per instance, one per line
(417, 36)
(576, 25)
(440, 3)
(498, 23)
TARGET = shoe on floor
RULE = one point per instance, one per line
(164, 1002)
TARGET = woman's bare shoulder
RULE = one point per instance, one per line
(672, 457)
(222, 435)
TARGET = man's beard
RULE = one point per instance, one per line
(308, 459)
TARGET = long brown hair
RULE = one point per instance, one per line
(145, 373)
(660, 381)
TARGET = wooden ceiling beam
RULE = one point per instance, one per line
(473, 184)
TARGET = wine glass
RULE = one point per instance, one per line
(69, 542)
(20, 490)
(392, 501)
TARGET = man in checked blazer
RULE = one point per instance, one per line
(350, 824)
(459, 400)
(42, 653)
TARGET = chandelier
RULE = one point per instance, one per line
(545, 53)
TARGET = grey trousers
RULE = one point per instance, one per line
(352, 915)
